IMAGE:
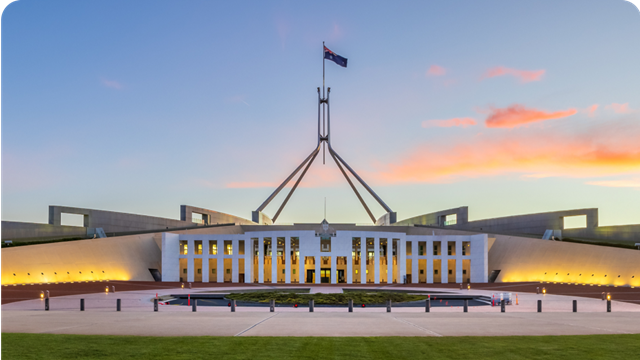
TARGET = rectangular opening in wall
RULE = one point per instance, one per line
(575, 222)
(325, 244)
(450, 219)
(198, 247)
(197, 218)
(71, 219)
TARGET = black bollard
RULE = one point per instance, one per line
(119, 305)
(350, 305)
(502, 305)
(575, 305)
(427, 307)
(81, 304)
(46, 304)
(466, 305)
(539, 305)
(272, 305)
(388, 305)
(194, 305)
(233, 306)
(311, 305)
(155, 304)
(608, 305)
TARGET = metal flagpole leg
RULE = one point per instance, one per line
(353, 187)
(295, 186)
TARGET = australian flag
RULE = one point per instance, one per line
(330, 55)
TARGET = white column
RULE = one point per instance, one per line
(334, 269)
(363, 260)
(205, 260)
(287, 259)
(302, 276)
(350, 263)
(429, 260)
(261, 260)
(248, 261)
(274, 260)
(318, 263)
(415, 269)
(402, 259)
(458, 261)
(190, 262)
(220, 259)
(376, 260)
(445, 263)
(389, 260)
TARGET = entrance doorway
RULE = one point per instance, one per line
(325, 276)
(311, 276)
(341, 278)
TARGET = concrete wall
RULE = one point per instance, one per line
(522, 259)
(630, 233)
(531, 224)
(214, 217)
(433, 219)
(24, 231)
(119, 258)
(112, 221)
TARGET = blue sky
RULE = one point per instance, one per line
(141, 106)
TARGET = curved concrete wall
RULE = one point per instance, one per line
(522, 259)
(118, 258)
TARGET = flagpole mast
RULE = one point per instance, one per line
(323, 127)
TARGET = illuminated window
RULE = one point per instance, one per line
(198, 247)
(183, 247)
(213, 247)
(466, 248)
(228, 248)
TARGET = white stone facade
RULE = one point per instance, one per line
(343, 262)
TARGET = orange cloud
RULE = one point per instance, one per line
(620, 108)
(525, 76)
(436, 70)
(517, 115)
(464, 122)
(599, 152)
(592, 109)
(616, 183)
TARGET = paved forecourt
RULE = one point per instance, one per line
(138, 318)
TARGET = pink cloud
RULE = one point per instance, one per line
(436, 70)
(591, 110)
(464, 122)
(112, 84)
(517, 115)
(620, 108)
(525, 76)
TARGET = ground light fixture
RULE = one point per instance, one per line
(106, 289)
(608, 296)
(544, 291)
(41, 295)
(469, 287)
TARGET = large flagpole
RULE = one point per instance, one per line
(323, 127)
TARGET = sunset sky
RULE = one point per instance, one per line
(508, 107)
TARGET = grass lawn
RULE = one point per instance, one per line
(48, 346)
(326, 299)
